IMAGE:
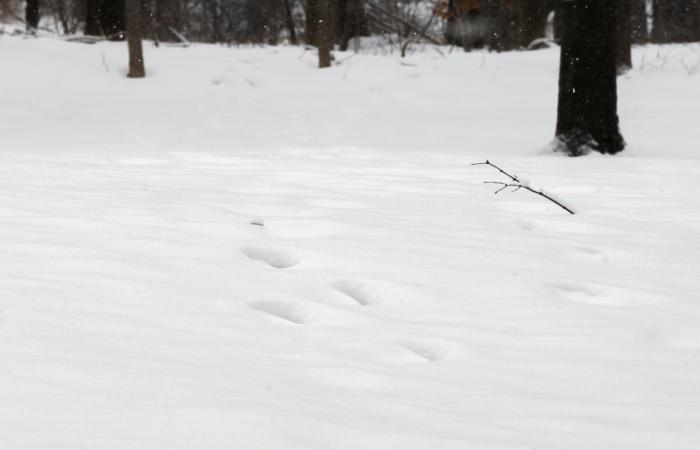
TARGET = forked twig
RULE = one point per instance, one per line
(516, 184)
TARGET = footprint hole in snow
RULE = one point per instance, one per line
(277, 258)
(287, 312)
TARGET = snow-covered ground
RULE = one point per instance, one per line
(390, 301)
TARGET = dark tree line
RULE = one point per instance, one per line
(496, 24)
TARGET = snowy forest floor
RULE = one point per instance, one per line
(390, 301)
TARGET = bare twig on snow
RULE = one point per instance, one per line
(516, 184)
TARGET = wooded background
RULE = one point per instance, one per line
(496, 24)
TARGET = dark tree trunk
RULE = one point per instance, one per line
(311, 30)
(31, 14)
(134, 10)
(638, 21)
(587, 112)
(676, 21)
(624, 35)
(532, 20)
(105, 18)
(325, 32)
(289, 22)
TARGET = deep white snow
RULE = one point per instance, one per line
(244, 252)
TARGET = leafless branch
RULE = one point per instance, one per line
(516, 184)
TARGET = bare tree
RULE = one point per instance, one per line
(134, 10)
(325, 32)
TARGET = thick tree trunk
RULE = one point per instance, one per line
(31, 14)
(587, 112)
(624, 35)
(105, 18)
(325, 32)
(134, 9)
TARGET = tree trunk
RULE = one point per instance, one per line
(587, 111)
(31, 14)
(623, 30)
(325, 32)
(133, 21)
(105, 18)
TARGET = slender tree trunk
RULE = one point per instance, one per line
(624, 35)
(134, 9)
(289, 21)
(31, 14)
(587, 112)
(325, 33)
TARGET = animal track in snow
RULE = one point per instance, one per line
(373, 292)
(289, 312)
(591, 254)
(427, 351)
(609, 296)
(358, 291)
(279, 259)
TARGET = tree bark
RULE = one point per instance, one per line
(325, 33)
(133, 22)
(623, 31)
(31, 14)
(587, 111)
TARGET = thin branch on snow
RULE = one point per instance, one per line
(516, 184)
